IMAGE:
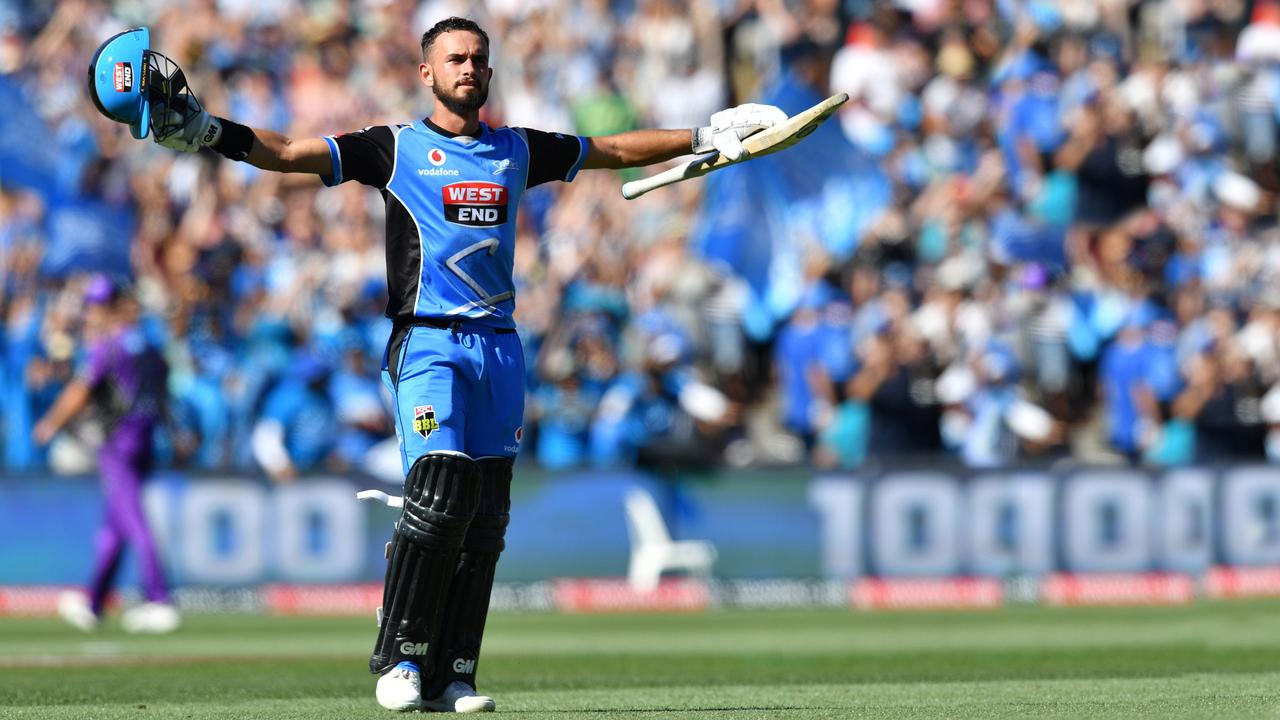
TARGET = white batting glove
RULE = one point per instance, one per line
(201, 130)
(729, 127)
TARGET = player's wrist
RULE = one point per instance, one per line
(700, 139)
(228, 138)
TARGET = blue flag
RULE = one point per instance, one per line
(87, 235)
(756, 215)
(28, 152)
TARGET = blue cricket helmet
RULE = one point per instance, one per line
(118, 79)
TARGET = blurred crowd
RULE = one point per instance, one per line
(1073, 254)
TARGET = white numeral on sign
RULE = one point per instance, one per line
(489, 244)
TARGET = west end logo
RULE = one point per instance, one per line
(436, 157)
(475, 203)
(123, 77)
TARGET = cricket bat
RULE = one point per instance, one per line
(765, 142)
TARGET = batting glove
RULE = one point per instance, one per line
(729, 127)
(200, 129)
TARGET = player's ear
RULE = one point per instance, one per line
(424, 70)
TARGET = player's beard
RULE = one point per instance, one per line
(458, 105)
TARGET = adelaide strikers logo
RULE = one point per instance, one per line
(436, 157)
(424, 421)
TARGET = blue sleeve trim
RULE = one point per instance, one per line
(336, 158)
(582, 157)
(528, 153)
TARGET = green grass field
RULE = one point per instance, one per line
(1205, 661)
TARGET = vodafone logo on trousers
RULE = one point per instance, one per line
(475, 203)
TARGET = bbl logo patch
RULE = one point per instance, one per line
(424, 421)
(123, 77)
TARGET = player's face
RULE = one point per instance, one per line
(457, 69)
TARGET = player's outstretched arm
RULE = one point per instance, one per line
(261, 148)
(635, 149)
(646, 147)
(281, 153)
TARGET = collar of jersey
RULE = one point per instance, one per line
(453, 136)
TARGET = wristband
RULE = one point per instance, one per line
(235, 141)
(700, 139)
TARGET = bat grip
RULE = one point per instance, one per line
(696, 167)
(635, 188)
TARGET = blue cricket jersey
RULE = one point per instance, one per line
(451, 210)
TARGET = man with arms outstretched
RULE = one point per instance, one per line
(453, 364)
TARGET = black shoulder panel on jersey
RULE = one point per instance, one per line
(369, 155)
(552, 156)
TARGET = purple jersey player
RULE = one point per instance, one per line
(122, 381)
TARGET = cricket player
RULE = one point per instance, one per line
(453, 364)
(125, 378)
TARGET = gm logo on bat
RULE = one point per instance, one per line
(475, 203)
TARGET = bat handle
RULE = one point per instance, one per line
(697, 167)
(635, 188)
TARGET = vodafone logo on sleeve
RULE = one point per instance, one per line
(475, 203)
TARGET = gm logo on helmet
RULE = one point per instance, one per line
(413, 648)
(464, 666)
(436, 157)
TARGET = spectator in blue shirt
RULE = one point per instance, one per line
(660, 415)
(1126, 392)
(798, 356)
(574, 367)
(200, 407)
(298, 429)
(356, 397)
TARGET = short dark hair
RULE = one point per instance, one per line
(450, 24)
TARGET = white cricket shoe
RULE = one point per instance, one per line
(74, 608)
(400, 688)
(151, 618)
(460, 697)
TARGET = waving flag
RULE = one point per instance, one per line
(756, 215)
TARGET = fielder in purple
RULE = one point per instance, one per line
(122, 382)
